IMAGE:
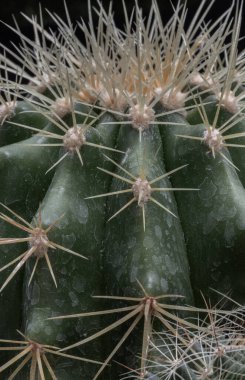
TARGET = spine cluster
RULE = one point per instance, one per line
(125, 151)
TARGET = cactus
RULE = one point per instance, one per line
(122, 224)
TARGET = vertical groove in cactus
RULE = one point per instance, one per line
(122, 220)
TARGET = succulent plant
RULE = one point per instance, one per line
(122, 224)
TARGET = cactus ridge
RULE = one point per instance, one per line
(38, 241)
(157, 217)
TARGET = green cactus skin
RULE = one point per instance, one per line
(214, 224)
(160, 225)
(25, 166)
(112, 157)
(237, 155)
(23, 113)
(82, 230)
(132, 254)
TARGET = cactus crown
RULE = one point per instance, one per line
(147, 95)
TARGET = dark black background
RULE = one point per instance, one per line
(78, 9)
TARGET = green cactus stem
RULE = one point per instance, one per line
(122, 201)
